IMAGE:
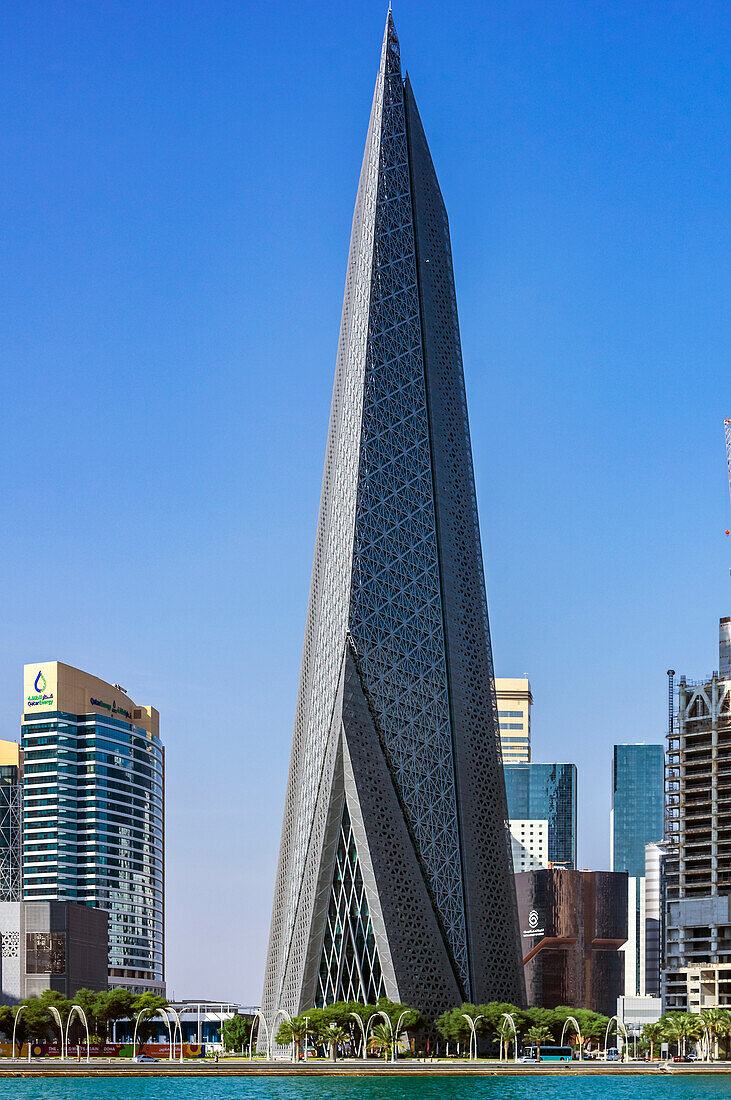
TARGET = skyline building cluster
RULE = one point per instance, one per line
(397, 875)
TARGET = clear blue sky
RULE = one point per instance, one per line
(176, 188)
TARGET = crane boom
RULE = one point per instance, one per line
(727, 426)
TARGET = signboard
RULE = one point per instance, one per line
(535, 927)
(40, 690)
(108, 1050)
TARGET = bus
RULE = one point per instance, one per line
(548, 1053)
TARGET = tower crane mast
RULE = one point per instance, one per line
(727, 426)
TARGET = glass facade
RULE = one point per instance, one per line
(10, 833)
(573, 924)
(637, 805)
(546, 792)
(350, 969)
(93, 830)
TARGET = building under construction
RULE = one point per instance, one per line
(697, 971)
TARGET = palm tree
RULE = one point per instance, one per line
(723, 1028)
(381, 1039)
(652, 1033)
(714, 1019)
(505, 1034)
(670, 1030)
(293, 1031)
(536, 1036)
(334, 1034)
(678, 1027)
(690, 1026)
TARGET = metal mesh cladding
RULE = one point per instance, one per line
(397, 575)
(396, 608)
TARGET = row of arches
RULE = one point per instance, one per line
(366, 1028)
(175, 1030)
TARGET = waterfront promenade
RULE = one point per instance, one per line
(354, 1068)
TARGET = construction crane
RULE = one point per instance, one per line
(727, 427)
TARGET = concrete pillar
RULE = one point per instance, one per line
(724, 648)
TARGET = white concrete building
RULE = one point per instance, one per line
(530, 844)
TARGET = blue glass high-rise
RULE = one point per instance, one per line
(546, 792)
(637, 805)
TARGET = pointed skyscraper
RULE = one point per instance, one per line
(394, 870)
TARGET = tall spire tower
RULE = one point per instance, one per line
(394, 873)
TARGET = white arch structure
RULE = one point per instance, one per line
(364, 1048)
(57, 1017)
(77, 1010)
(283, 1013)
(260, 1017)
(620, 1029)
(152, 1012)
(509, 1016)
(396, 1033)
(575, 1022)
(473, 1036)
(18, 1014)
(178, 1030)
(386, 1019)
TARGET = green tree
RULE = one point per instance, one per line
(714, 1019)
(295, 1031)
(6, 1021)
(689, 1026)
(112, 1005)
(149, 1024)
(723, 1028)
(505, 1034)
(543, 1017)
(678, 1027)
(86, 1000)
(409, 1019)
(452, 1025)
(332, 1035)
(235, 1033)
(652, 1033)
(537, 1036)
(381, 1039)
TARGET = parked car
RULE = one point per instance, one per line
(143, 1058)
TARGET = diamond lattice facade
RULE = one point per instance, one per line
(394, 873)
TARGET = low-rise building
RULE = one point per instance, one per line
(51, 945)
(572, 925)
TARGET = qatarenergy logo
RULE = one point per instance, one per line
(41, 698)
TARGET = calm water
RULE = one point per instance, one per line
(660, 1087)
